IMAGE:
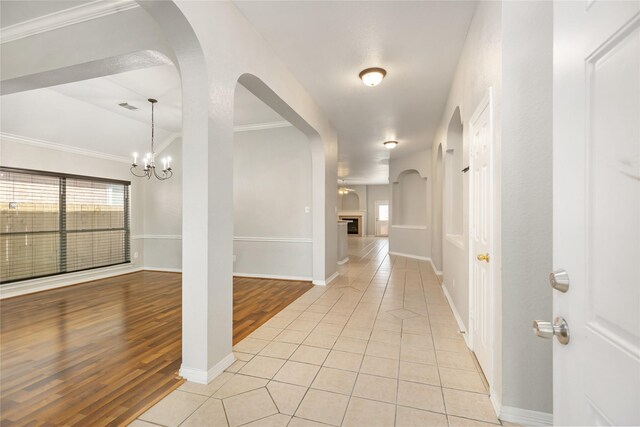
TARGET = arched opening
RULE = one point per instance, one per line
(454, 201)
(438, 176)
(350, 201)
(409, 199)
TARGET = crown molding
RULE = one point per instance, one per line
(261, 126)
(75, 15)
(60, 147)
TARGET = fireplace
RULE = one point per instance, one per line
(353, 225)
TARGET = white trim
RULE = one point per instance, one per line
(525, 417)
(157, 236)
(456, 315)
(61, 147)
(200, 376)
(272, 276)
(343, 261)
(435, 270)
(421, 258)
(64, 18)
(273, 239)
(25, 287)
(495, 401)
(327, 281)
(410, 227)
(261, 126)
(163, 269)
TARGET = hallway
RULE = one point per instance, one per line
(378, 346)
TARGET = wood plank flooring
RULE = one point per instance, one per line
(102, 352)
(252, 306)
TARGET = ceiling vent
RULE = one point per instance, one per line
(127, 106)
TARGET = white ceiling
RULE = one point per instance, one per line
(326, 45)
(86, 114)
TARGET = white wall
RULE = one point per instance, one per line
(375, 193)
(509, 50)
(162, 234)
(271, 190)
(527, 76)
(25, 155)
(411, 201)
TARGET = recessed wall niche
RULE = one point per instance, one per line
(409, 207)
(350, 201)
(453, 165)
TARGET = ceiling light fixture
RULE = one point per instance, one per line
(390, 145)
(150, 159)
(372, 76)
(344, 190)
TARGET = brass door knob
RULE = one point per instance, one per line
(483, 257)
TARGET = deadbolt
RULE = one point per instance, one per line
(559, 329)
(559, 280)
(483, 257)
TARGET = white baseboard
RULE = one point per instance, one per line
(525, 417)
(421, 258)
(25, 287)
(327, 281)
(205, 377)
(438, 272)
(456, 314)
(162, 269)
(495, 401)
(344, 261)
(273, 276)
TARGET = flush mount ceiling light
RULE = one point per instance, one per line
(372, 76)
(150, 159)
(390, 145)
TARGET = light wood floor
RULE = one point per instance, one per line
(102, 352)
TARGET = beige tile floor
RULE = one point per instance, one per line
(377, 347)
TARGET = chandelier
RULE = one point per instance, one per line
(150, 159)
(342, 190)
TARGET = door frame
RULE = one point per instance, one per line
(489, 372)
(375, 217)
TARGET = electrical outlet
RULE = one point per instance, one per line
(135, 255)
(234, 258)
(307, 209)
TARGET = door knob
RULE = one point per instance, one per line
(559, 329)
(483, 257)
(559, 280)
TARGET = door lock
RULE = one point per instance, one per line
(559, 280)
(483, 257)
(559, 329)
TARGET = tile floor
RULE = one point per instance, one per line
(377, 347)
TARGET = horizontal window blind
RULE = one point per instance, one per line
(54, 224)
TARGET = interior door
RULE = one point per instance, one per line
(596, 213)
(480, 233)
(382, 217)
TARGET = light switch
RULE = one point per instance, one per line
(307, 209)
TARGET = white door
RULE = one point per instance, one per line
(480, 235)
(382, 217)
(596, 211)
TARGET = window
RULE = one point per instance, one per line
(383, 212)
(54, 224)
